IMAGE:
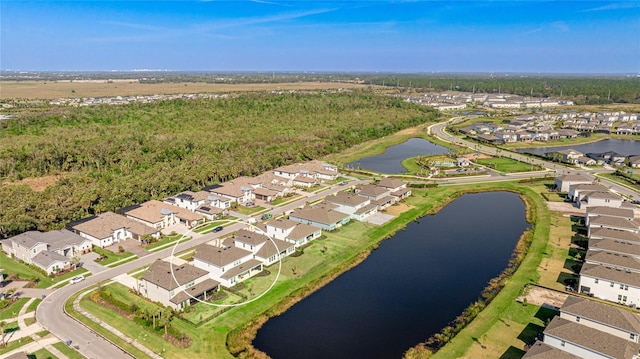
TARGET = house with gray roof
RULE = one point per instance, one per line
(320, 217)
(617, 321)
(614, 260)
(358, 207)
(624, 213)
(578, 191)
(109, 228)
(615, 223)
(176, 285)
(392, 184)
(562, 183)
(540, 350)
(228, 265)
(615, 246)
(587, 342)
(620, 236)
(51, 251)
(601, 198)
(609, 283)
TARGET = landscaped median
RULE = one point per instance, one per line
(227, 333)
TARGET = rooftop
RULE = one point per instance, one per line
(159, 273)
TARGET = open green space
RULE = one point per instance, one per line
(42, 354)
(166, 241)
(13, 309)
(507, 165)
(16, 344)
(280, 200)
(66, 350)
(248, 211)
(112, 257)
(32, 307)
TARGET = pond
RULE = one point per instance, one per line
(413, 285)
(391, 160)
(623, 147)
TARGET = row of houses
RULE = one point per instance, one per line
(225, 263)
(458, 101)
(589, 329)
(145, 221)
(610, 157)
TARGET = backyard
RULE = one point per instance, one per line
(507, 165)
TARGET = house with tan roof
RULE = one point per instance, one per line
(380, 196)
(616, 246)
(160, 215)
(617, 321)
(612, 259)
(236, 191)
(265, 249)
(358, 207)
(563, 183)
(392, 184)
(291, 231)
(109, 228)
(228, 265)
(176, 285)
(313, 169)
(319, 217)
(587, 342)
(620, 236)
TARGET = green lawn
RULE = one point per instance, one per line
(16, 344)
(42, 354)
(248, 211)
(280, 200)
(167, 240)
(113, 257)
(34, 305)
(24, 272)
(507, 165)
(13, 309)
(68, 351)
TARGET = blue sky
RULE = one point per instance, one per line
(270, 35)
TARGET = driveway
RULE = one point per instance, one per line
(88, 263)
(378, 218)
(130, 245)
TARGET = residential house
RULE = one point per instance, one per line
(602, 198)
(160, 215)
(51, 251)
(227, 265)
(569, 155)
(616, 321)
(587, 342)
(624, 213)
(109, 228)
(188, 199)
(634, 161)
(578, 191)
(615, 246)
(176, 285)
(234, 190)
(397, 187)
(319, 217)
(265, 249)
(292, 231)
(620, 236)
(540, 350)
(617, 223)
(379, 196)
(562, 183)
(609, 283)
(358, 207)
(614, 260)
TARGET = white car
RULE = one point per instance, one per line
(77, 279)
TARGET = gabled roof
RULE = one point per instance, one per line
(607, 233)
(616, 260)
(55, 239)
(154, 211)
(320, 215)
(611, 274)
(302, 231)
(613, 222)
(250, 264)
(593, 339)
(391, 183)
(587, 187)
(604, 195)
(603, 313)
(269, 249)
(282, 223)
(219, 256)
(104, 224)
(540, 350)
(252, 238)
(193, 196)
(614, 246)
(372, 191)
(610, 211)
(46, 258)
(347, 199)
(159, 273)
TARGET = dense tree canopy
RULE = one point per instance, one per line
(114, 156)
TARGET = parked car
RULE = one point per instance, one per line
(266, 216)
(250, 204)
(217, 229)
(77, 279)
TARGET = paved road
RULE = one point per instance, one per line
(50, 313)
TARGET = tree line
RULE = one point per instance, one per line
(115, 156)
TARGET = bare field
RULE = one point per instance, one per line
(51, 90)
(37, 184)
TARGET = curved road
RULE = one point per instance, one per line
(50, 313)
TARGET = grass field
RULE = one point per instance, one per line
(66, 350)
(506, 165)
(52, 89)
(112, 257)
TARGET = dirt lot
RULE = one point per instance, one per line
(565, 208)
(51, 90)
(37, 184)
(542, 296)
(397, 209)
